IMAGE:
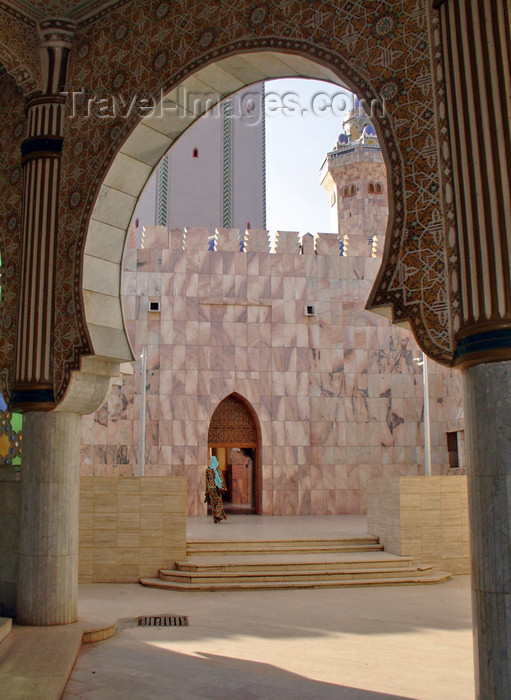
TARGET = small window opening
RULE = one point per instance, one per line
(195, 153)
(371, 188)
(452, 449)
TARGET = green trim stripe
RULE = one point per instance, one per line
(162, 192)
(227, 164)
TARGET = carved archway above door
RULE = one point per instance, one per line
(232, 423)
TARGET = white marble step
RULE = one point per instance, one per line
(5, 627)
(290, 576)
(410, 580)
(291, 561)
(362, 544)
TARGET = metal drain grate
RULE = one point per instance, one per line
(163, 621)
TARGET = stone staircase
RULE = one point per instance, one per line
(297, 563)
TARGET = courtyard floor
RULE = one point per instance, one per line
(276, 527)
(366, 643)
(402, 642)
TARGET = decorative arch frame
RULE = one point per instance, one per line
(381, 53)
(257, 443)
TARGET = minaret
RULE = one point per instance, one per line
(354, 175)
(214, 174)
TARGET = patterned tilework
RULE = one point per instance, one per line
(13, 126)
(79, 11)
(19, 49)
(379, 50)
(338, 395)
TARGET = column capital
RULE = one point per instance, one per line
(57, 31)
(56, 36)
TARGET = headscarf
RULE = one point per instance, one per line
(214, 466)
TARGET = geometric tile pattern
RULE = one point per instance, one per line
(12, 127)
(19, 49)
(232, 424)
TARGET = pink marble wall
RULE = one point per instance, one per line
(338, 395)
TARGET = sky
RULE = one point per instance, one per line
(296, 145)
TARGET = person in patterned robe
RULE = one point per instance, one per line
(215, 484)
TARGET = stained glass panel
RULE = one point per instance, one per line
(10, 435)
(10, 424)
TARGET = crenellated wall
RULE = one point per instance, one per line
(339, 395)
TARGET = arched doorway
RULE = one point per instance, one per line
(234, 437)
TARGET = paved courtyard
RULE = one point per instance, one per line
(410, 642)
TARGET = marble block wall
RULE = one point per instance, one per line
(424, 518)
(130, 528)
(338, 394)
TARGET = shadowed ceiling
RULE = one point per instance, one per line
(79, 11)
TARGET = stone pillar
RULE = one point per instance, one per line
(50, 488)
(487, 390)
(475, 39)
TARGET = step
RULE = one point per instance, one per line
(411, 580)
(5, 627)
(303, 541)
(267, 547)
(288, 576)
(291, 562)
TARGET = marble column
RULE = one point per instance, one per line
(487, 391)
(50, 489)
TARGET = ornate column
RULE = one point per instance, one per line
(48, 555)
(41, 153)
(476, 41)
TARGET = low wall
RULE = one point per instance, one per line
(425, 518)
(130, 527)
